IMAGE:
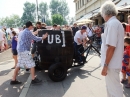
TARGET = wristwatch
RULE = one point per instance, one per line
(105, 65)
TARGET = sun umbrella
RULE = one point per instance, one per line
(85, 21)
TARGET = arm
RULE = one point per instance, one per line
(111, 42)
(16, 39)
(79, 40)
(33, 37)
(109, 54)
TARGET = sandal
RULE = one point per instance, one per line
(124, 81)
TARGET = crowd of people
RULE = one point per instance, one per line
(115, 40)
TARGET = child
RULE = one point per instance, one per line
(126, 63)
(14, 46)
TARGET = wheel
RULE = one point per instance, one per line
(57, 72)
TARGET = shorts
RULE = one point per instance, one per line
(125, 69)
(14, 51)
(25, 60)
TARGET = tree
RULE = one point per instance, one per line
(43, 11)
(63, 8)
(54, 5)
(58, 19)
(12, 21)
(71, 20)
(59, 7)
(48, 22)
(29, 13)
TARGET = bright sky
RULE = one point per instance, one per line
(9, 7)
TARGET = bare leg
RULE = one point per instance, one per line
(15, 59)
(33, 73)
(15, 73)
(124, 76)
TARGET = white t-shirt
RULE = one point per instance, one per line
(80, 36)
(89, 31)
(114, 36)
(11, 35)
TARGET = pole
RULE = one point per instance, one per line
(37, 10)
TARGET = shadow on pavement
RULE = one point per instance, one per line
(57, 89)
(7, 90)
(5, 63)
(126, 92)
(5, 72)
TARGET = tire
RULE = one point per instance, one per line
(57, 72)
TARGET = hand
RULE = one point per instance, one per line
(45, 36)
(36, 32)
(104, 70)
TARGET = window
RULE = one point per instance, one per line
(82, 2)
(78, 4)
(76, 7)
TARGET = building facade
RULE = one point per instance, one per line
(90, 9)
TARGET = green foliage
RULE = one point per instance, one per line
(65, 22)
(12, 21)
(63, 8)
(54, 5)
(59, 7)
(43, 11)
(48, 22)
(29, 12)
(57, 18)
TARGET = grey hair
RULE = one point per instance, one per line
(108, 9)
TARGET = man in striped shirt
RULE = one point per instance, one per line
(25, 60)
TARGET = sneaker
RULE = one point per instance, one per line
(127, 86)
(27, 70)
(15, 82)
(124, 81)
(36, 81)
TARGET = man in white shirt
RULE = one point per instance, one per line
(112, 50)
(80, 40)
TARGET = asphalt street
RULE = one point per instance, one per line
(80, 81)
(6, 73)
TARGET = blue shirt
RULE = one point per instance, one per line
(25, 39)
(14, 42)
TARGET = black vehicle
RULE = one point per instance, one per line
(56, 53)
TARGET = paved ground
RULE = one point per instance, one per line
(80, 82)
(6, 90)
(6, 55)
